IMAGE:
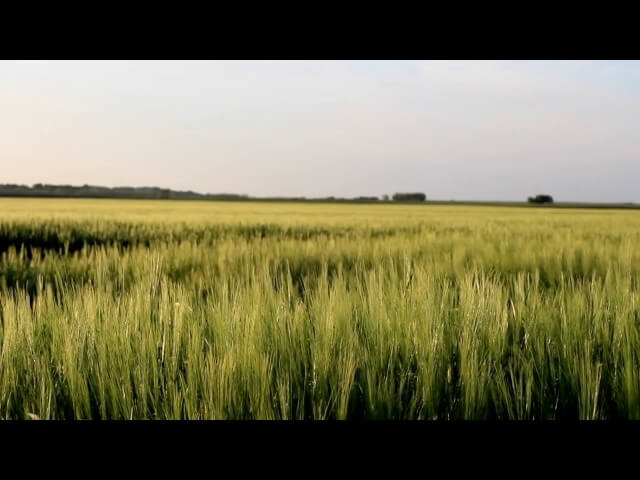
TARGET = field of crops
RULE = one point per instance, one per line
(153, 309)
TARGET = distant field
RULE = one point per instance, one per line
(152, 309)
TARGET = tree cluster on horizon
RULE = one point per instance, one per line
(93, 191)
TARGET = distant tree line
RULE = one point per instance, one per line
(541, 199)
(409, 197)
(93, 191)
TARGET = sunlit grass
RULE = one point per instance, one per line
(196, 310)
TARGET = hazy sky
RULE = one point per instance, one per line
(455, 130)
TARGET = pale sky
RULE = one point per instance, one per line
(464, 130)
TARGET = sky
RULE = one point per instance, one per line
(463, 130)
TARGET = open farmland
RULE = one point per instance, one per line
(154, 309)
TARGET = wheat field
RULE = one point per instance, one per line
(136, 309)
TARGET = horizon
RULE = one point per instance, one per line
(472, 131)
(245, 196)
